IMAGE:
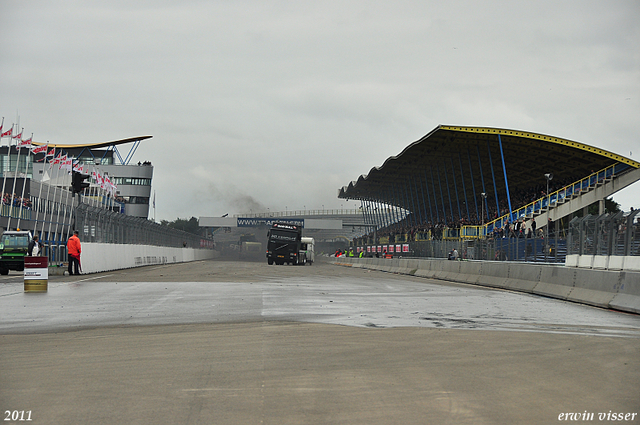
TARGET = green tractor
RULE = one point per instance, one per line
(13, 248)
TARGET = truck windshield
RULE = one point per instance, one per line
(10, 240)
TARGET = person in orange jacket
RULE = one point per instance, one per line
(74, 249)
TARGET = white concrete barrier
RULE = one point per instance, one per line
(606, 262)
(628, 296)
(470, 271)
(595, 287)
(616, 262)
(571, 260)
(101, 257)
(632, 263)
(555, 282)
(523, 277)
(425, 269)
(494, 274)
(600, 262)
(604, 288)
(585, 261)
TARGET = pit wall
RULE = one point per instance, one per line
(619, 290)
(102, 257)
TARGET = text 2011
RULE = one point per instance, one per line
(17, 415)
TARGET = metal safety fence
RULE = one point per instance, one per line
(606, 234)
(550, 250)
(104, 226)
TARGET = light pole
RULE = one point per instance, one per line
(484, 196)
(549, 177)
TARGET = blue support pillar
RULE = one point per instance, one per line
(367, 213)
(376, 213)
(473, 186)
(416, 211)
(391, 207)
(495, 188)
(506, 183)
(381, 216)
(401, 200)
(393, 211)
(424, 204)
(433, 182)
(426, 183)
(464, 187)
(455, 186)
(373, 210)
(486, 205)
(446, 179)
(409, 192)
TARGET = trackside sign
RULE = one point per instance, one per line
(259, 221)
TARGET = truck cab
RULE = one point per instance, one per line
(14, 245)
(283, 244)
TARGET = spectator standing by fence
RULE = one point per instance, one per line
(74, 249)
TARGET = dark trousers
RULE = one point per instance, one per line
(75, 263)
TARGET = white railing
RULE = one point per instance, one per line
(294, 213)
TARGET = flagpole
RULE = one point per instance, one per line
(65, 210)
(66, 200)
(4, 169)
(48, 192)
(35, 226)
(13, 191)
(24, 180)
(54, 200)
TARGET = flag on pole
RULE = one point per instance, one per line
(7, 133)
(38, 149)
(18, 136)
(52, 152)
(25, 143)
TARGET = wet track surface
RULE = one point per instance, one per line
(220, 292)
(220, 342)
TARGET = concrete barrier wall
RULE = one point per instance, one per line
(619, 289)
(604, 262)
(101, 257)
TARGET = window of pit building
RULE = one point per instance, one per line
(121, 181)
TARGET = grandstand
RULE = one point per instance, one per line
(472, 182)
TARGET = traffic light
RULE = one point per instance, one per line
(78, 183)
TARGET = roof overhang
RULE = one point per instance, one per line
(458, 159)
(95, 145)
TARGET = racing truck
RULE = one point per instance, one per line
(14, 245)
(284, 244)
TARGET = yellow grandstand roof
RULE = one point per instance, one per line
(95, 145)
(466, 160)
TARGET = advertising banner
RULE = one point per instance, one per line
(36, 274)
(268, 221)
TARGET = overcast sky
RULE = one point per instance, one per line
(278, 104)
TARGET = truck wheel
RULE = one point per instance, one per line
(270, 261)
(4, 272)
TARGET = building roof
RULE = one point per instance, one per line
(462, 160)
(95, 145)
